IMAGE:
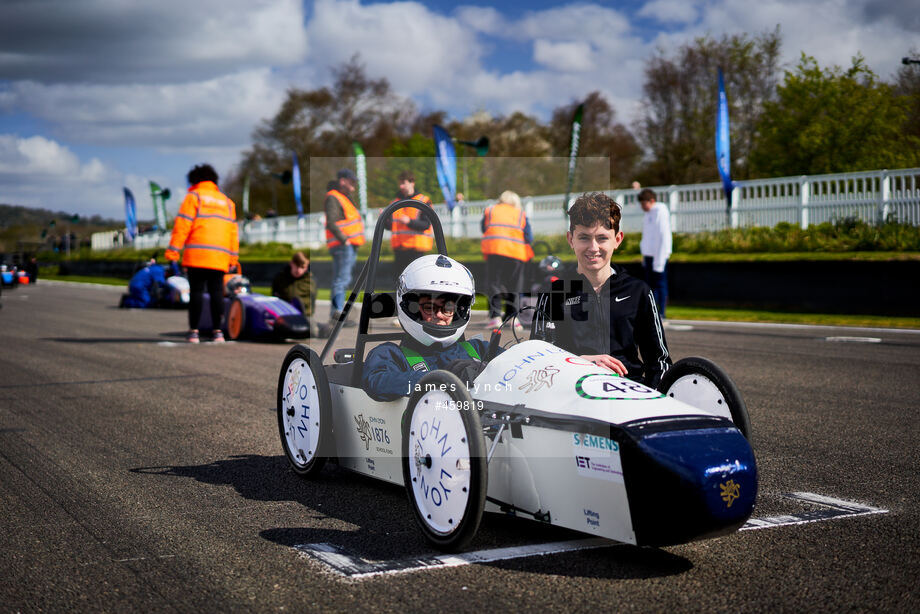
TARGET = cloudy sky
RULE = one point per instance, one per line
(100, 94)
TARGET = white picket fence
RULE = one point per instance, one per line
(871, 196)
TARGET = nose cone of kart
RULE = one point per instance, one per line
(689, 484)
(292, 326)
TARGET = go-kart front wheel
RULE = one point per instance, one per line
(304, 411)
(702, 383)
(236, 319)
(444, 461)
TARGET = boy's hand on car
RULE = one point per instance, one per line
(608, 362)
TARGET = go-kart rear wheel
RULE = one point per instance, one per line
(702, 383)
(236, 319)
(304, 411)
(444, 461)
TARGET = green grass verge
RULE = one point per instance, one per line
(790, 256)
(675, 312)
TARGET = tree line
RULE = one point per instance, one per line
(806, 119)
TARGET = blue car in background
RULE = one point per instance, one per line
(257, 317)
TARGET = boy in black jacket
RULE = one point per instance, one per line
(600, 312)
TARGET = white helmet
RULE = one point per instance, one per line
(435, 275)
(237, 284)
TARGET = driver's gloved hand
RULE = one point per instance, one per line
(466, 369)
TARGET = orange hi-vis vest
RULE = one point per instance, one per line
(352, 226)
(205, 230)
(404, 237)
(504, 232)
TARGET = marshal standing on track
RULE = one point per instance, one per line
(600, 312)
(206, 235)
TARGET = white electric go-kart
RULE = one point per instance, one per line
(541, 433)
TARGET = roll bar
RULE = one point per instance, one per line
(367, 277)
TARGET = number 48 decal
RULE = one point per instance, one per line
(608, 386)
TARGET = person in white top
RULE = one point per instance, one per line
(655, 246)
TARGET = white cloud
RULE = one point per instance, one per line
(39, 157)
(563, 56)
(670, 11)
(36, 171)
(440, 60)
(483, 19)
(112, 41)
(220, 111)
(843, 29)
(415, 49)
(574, 22)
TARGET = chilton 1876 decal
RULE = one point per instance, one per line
(372, 434)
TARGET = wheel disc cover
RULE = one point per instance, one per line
(235, 320)
(439, 462)
(699, 391)
(300, 410)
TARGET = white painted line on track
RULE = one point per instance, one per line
(354, 567)
(854, 339)
(833, 508)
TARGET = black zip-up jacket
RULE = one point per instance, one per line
(621, 320)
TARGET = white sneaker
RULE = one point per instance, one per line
(494, 323)
(517, 325)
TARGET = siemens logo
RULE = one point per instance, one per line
(593, 441)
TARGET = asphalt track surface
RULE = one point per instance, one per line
(138, 473)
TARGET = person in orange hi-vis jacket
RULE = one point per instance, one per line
(506, 246)
(412, 236)
(206, 234)
(344, 235)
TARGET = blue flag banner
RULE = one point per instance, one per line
(723, 142)
(295, 176)
(446, 165)
(130, 216)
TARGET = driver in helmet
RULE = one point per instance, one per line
(434, 298)
(237, 285)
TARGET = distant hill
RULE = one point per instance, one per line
(15, 215)
(30, 230)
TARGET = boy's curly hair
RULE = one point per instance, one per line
(595, 207)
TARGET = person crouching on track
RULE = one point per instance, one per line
(434, 299)
(146, 286)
